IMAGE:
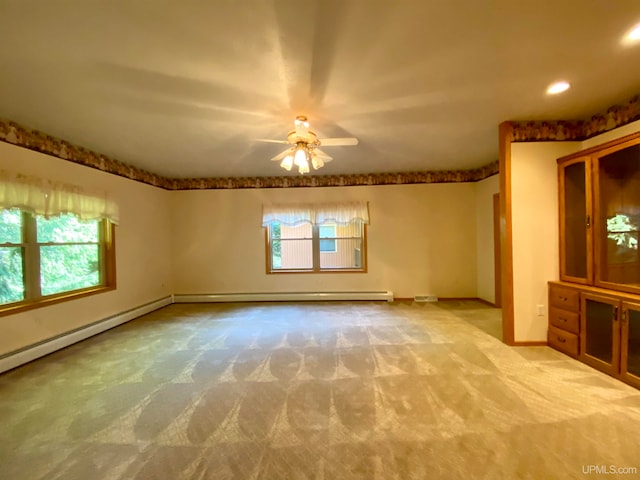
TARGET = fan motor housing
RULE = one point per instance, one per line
(310, 138)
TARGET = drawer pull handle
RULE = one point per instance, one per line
(562, 319)
(561, 340)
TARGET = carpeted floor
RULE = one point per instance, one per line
(320, 391)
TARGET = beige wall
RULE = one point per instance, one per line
(421, 241)
(485, 278)
(142, 250)
(534, 204)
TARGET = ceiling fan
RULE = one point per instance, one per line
(304, 145)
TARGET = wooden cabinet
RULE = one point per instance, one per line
(598, 327)
(594, 312)
(599, 199)
(564, 319)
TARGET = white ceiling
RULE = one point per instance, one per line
(183, 88)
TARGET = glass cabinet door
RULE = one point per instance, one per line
(617, 193)
(630, 343)
(575, 220)
(600, 332)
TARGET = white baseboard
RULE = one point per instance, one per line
(283, 297)
(19, 357)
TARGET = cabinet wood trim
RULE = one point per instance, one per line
(613, 144)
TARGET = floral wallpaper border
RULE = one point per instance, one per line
(16, 134)
(400, 178)
(11, 132)
(525, 131)
(576, 130)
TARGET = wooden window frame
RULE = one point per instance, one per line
(316, 255)
(31, 269)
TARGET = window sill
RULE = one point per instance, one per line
(25, 305)
(336, 270)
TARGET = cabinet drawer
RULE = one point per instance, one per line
(564, 298)
(564, 341)
(564, 319)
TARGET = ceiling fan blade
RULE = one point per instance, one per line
(281, 155)
(266, 140)
(320, 154)
(336, 142)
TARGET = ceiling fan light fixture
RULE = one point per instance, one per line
(303, 167)
(300, 156)
(303, 147)
(316, 162)
(287, 162)
(301, 121)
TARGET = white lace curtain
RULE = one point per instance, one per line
(49, 198)
(317, 214)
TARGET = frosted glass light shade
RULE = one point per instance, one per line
(287, 163)
(304, 166)
(317, 162)
(300, 156)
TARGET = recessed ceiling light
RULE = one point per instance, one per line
(633, 35)
(558, 87)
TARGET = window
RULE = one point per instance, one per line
(315, 248)
(328, 237)
(43, 260)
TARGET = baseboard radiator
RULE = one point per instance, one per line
(283, 297)
(24, 355)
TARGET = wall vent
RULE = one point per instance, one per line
(425, 298)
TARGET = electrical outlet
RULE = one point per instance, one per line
(540, 310)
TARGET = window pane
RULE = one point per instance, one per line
(327, 231)
(301, 231)
(327, 245)
(293, 253)
(11, 276)
(68, 267)
(347, 254)
(10, 226)
(67, 229)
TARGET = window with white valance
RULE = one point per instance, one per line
(50, 198)
(315, 214)
(57, 242)
(323, 237)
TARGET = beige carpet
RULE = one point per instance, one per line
(320, 391)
